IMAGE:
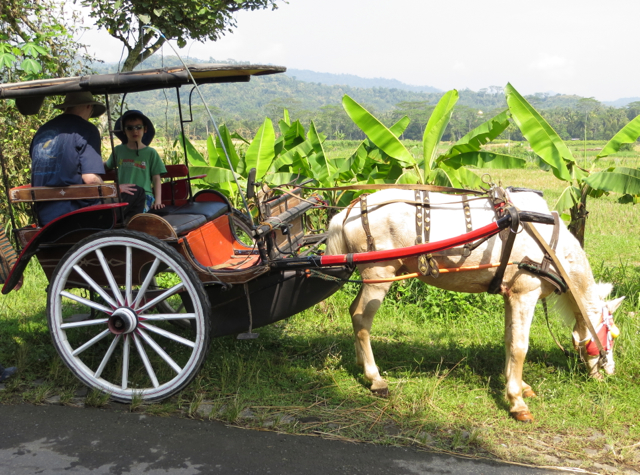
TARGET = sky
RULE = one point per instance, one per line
(583, 47)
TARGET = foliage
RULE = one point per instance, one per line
(36, 42)
(582, 182)
(393, 163)
(183, 19)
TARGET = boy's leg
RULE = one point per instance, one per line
(135, 202)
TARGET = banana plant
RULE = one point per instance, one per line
(293, 156)
(449, 168)
(581, 183)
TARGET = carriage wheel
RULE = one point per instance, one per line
(127, 346)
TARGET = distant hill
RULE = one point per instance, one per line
(621, 102)
(311, 96)
(354, 81)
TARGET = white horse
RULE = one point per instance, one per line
(392, 224)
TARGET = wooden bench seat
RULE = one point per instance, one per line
(30, 194)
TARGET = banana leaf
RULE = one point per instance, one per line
(436, 126)
(214, 158)
(321, 167)
(409, 177)
(194, 158)
(260, 153)
(627, 134)
(377, 132)
(485, 132)
(623, 180)
(543, 139)
(399, 127)
(225, 137)
(569, 196)
(214, 175)
(485, 160)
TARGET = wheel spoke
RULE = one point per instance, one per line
(125, 361)
(91, 342)
(161, 317)
(168, 335)
(107, 356)
(109, 275)
(163, 354)
(147, 281)
(87, 302)
(84, 323)
(129, 272)
(99, 290)
(147, 363)
(165, 295)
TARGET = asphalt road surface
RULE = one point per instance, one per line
(54, 440)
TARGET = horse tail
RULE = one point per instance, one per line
(336, 243)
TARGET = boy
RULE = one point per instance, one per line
(137, 162)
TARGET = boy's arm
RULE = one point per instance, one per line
(157, 192)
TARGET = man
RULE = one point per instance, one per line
(66, 151)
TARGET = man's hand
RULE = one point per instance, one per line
(128, 188)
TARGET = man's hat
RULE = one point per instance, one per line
(118, 130)
(82, 98)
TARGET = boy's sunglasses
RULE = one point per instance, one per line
(134, 127)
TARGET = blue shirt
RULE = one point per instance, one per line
(62, 150)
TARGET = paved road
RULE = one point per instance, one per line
(53, 440)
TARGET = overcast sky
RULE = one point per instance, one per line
(584, 47)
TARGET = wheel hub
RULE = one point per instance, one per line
(123, 320)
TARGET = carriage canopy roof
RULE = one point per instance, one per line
(136, 81)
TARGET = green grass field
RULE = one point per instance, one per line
(441, 352)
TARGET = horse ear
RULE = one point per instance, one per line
(614, 304)
(604, 290)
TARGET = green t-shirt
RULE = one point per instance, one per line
(137, 167)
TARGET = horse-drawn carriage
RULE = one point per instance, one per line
(132, 307)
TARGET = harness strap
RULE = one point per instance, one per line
(364, 216)
(426, 263)
(573, 291)
(467, 213)
(543, 269)
(496, 283)
(546, 261)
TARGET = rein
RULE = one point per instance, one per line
(572, 292)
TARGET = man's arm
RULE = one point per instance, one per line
(91, 179)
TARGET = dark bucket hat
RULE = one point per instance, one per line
(82, 98)
(119, 130)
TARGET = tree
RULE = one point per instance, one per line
(177, 19)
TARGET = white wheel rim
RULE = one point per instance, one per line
(143, 337)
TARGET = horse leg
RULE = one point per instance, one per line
(363, 309)
(527, 391)
(519, 308)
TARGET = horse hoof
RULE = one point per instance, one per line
(381, 392)
(522, 416)
(529, 393)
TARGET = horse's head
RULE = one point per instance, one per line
(606, 333)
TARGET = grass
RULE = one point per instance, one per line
(441, 352)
